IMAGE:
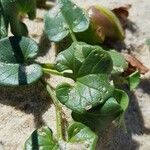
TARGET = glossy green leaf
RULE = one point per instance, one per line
(41, 139)
(101, 116)
(87, 92)
(63, 18)
(83, 59)
(119, 62)
(89, 66)
(79, 133)
(133, 80)
(16, 53)
(13, 10)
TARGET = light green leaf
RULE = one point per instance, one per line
(16, 53)
(134, 80)
(79, 133)
(63, 18)
(88, 91)
(41, 139)
(119, 62)
(84, 59)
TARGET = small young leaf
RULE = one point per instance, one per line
(41, 139)
(134, 80)
(78, 132)
(64, 17)
(88, 91)
(119, 62)
(84, 59)
(16, 53)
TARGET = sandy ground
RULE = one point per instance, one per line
(24, 109)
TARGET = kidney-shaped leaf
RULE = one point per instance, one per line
(16, 53)
(41, 139)
(65, 16)
(84, 59)
(78, 132)
(88, 92)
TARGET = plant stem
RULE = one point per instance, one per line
(58, 112)
(51, 71)
(72, 36)
(45, 65)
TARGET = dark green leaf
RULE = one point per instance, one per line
(65, 16)
(119, 62)
(13, 10)
(41, 139)
(79, 133)
(16, 53)
(88, 91)
(134, 80)
(100, 117)
(89, 66)
(84, 59)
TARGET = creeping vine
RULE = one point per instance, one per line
(94, 98)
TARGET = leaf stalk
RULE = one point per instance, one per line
(58, 112)
(52, 71)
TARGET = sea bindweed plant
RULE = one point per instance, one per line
(94, 98)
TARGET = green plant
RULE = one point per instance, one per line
(12, 13)
(94, 98)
